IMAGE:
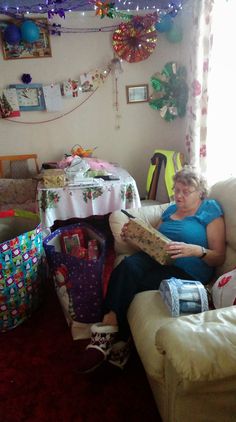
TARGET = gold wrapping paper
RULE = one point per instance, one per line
(148, 240)
(54, 178)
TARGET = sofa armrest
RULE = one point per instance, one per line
(201, 346)
(150, 214)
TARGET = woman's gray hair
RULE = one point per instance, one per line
(190, 177)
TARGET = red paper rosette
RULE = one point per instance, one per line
(134, 41)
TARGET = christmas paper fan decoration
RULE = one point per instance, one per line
(136, 40)
(171, 91)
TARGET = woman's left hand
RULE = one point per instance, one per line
(182, 250)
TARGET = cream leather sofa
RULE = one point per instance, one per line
(190, 361)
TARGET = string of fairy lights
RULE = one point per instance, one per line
(17, 8)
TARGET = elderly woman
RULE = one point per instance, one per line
(196, 227)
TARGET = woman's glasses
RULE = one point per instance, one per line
(184, 192)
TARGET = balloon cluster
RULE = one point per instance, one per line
(28, 32)
(166, 24)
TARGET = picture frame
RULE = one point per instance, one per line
(24, 50)
(137, 93)
(30, 96)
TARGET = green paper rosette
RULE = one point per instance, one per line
(170, 94)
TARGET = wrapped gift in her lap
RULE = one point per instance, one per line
(184, 296)
(148, 239)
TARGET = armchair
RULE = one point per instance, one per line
(190, 361)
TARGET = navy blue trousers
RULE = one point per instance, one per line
(136, 273)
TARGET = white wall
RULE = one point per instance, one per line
(94, 123)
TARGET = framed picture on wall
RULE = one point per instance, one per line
(26, 50)
(137, 93)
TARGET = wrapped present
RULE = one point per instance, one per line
(148, 240)
(71, 238)
(93, 252)
(79, 252)
(54, 178)
(184, 296)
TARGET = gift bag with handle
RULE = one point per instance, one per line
(77, 279)
(20, 266)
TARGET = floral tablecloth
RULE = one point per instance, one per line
(76, 201)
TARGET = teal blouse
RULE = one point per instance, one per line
(192, 230)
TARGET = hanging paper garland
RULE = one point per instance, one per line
(136, 40)
(171, 91)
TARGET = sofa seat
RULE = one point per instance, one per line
(190, 361)
(18, 194)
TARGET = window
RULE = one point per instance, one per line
(221, 138)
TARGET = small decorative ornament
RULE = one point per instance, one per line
(171, 91)
(136, 40)
(104, 8)
(26, 78)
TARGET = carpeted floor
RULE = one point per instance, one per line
(39, 381)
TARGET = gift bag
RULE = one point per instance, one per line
(77, 276)
(20, 266)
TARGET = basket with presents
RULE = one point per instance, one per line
(76, 255)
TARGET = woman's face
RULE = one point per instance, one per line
(186, 195)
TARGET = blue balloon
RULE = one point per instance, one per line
(12, 34)
(175, 34)
(29, 31)
(165, 24)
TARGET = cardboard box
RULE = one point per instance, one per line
(148, 240)
(54, 178)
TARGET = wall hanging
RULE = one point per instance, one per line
(170, 94)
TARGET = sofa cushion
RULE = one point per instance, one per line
(146, 314)
(201, 346)
(18, 193)
(224, 192)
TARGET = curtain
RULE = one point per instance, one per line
(198, 76)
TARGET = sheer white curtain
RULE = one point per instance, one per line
(198, 79)
(221, 128)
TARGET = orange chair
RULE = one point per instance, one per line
(12, 162)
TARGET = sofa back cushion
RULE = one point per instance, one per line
(225, 193)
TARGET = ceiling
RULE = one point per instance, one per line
(42, 6)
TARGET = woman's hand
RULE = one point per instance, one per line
(182, 250)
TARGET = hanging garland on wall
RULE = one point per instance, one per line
(103, 75)
(170, 91)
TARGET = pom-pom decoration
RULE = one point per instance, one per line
(170, 91)
(12, 34)
(136, 40)
(29, 31)
(26, 78)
